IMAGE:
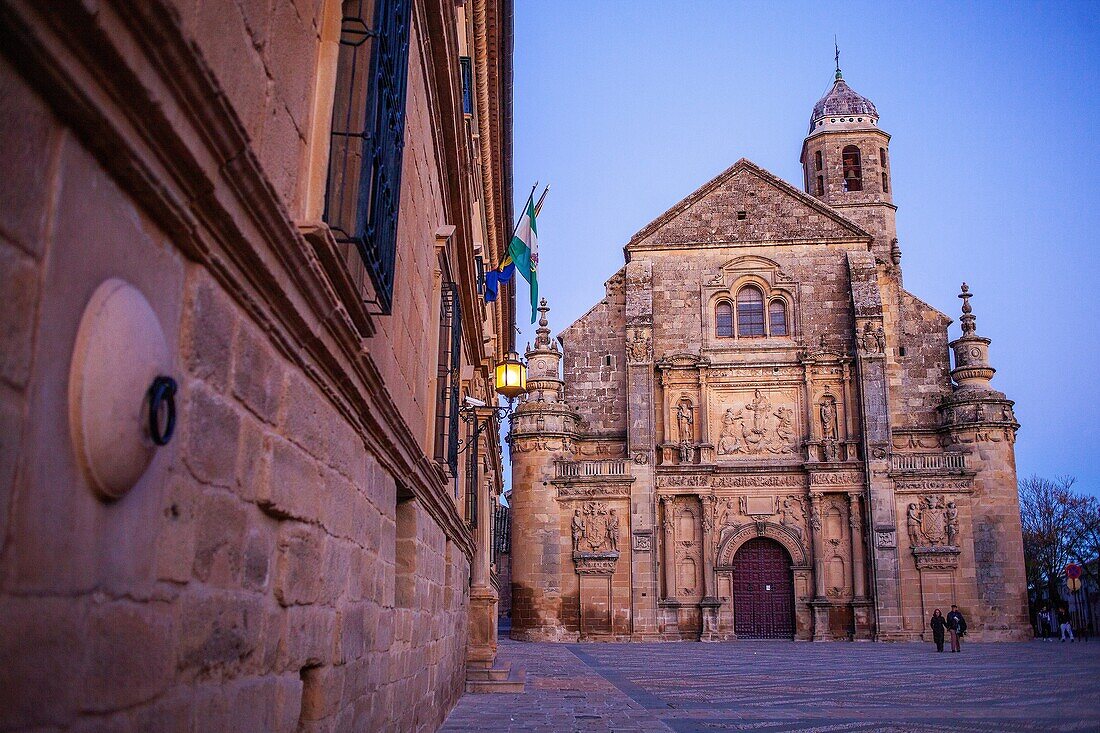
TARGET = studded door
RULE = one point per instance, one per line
(763, 591)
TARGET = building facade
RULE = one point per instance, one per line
(239, 247)
(758, 432)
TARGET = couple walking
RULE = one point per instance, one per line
(954, 623)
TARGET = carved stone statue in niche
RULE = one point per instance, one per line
(613, 530)
(912, 525)
(685, 427)
(952, 514)
(828, 416)
(791, 515)
(578, 529)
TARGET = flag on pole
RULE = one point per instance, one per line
(494, 278)
(524, 250)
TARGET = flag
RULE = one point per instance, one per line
(494, 278)
(524, 252)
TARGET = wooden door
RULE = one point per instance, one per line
(763, 591)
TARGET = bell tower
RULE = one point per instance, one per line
(846, 161)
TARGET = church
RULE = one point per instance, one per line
(758, 432)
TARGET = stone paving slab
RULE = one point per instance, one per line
(768, 687)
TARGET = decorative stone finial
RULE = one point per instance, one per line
(542, 333)
(895, 251)
(968, 318)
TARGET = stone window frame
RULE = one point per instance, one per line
(766, 275)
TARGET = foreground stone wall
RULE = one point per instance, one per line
(294, 559)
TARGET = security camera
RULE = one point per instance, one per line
(473, 402)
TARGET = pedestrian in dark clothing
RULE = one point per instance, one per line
(938, 624)
(956, 624)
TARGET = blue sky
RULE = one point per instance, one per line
(626, 107)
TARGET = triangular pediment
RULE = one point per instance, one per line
(774, 212)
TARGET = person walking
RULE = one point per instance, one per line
(938, 624)
(1063, 621)
(956, 624)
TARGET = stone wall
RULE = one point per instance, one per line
(293, 559)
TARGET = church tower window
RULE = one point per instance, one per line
(750, 312)
(820, 185)
(853, 169)
(885, 183)
(817, 160)
(723, 320)
(777, 318)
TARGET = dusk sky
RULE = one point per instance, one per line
(994, 108)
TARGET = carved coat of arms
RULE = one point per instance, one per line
(595, 528)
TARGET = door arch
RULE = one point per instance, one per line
(763, 591)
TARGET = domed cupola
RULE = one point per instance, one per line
(846, 161)
(842, 105)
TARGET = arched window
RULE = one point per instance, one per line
(885, 183)
(882, 157)
(750, 312)
(817, 160)
(777, 318)
(723, 320)
(853, 169)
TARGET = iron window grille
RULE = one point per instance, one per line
(502, 532)
(467, 85)
(472, 472)
(447, 377)
(363, 190)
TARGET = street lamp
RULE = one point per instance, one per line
(511, 377)
(510, 381)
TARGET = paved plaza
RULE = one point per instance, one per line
(793, 686)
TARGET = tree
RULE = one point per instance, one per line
(1048, 513)
(1085, 533)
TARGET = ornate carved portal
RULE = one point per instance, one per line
(763, 591)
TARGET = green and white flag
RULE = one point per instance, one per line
(524, 251)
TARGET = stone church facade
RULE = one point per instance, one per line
(758, 431)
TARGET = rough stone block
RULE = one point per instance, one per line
(209, 328)
(293, 485)
(219, 537)
(218, 633)
(19, 276)
(131, 659)
(29, 139)
(298, 569)
(257, 373)
(212, 429)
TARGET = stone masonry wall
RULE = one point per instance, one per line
(594, 388)
(262, 575)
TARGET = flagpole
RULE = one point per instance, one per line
(516, 229)
(538, 206)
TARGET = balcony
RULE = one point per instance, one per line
(585, 469)
(928, 462)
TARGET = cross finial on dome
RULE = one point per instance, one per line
(836, 46)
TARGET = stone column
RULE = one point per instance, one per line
(668, 547)
(709, 605)
(481, 646)
(859, 583)
(820, 603)
(861, 611)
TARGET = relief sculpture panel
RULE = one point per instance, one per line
(760, 424)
